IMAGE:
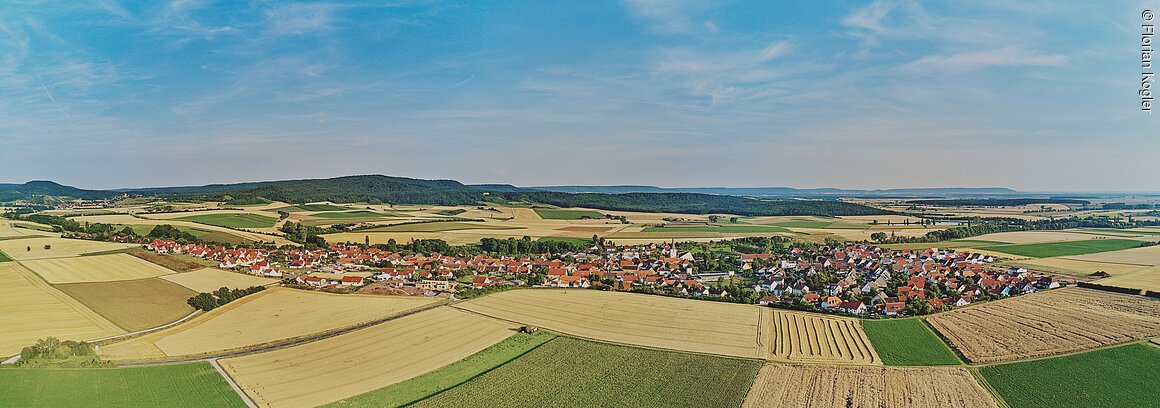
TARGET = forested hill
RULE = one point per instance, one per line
(377, 189)
(37, 190)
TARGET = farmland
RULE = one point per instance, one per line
(809, 337)
(315, 207)
(271, 315)
(342, 215)
(191, 385)
(1049, 323)
(232, 220)
(426, 385)
(723, 228)
(832, 386)
(4, 258)
(438, 227)
(341, 367)
(98, 268)
(1146, 256)
(36, 310)
(557, 214)
(33, 248)
(1033, 237)
(1116, 377)
(173, 262)
(1145, 279)
(630, 318)
(209, 279)
(908, 342)
(573, 372)
(1065, 248)
(134, 304)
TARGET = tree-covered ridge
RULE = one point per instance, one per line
(693, 203)
(996, 202)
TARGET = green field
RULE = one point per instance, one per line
(204, 235)
(572, 372)
(426, 385)
(722, 228)
(1116, 377)
(965, 243)
(439, 226)
(1067, 248)
(554, 214)
(4, 258)
(233, 220)
(178, 385)
(565, 239)
(804, 224)
(335, 215)
(908, 342)
(320, 207)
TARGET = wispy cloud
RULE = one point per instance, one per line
(968, 61)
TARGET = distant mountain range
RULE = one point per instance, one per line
(790, 192)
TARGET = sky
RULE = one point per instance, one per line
(1031, 95)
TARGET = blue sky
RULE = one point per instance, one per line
(1037, 96)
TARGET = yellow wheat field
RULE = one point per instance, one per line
(271, 315)
(632, 318)
(31, 309)
(814, 338)
(209, 279)
(1048, 323)
(1030, 237)
(99, 268)
(868, 387)
(1076, 266)
(33, 248)
(1146, 279)
(1146, 256)
(364, 360)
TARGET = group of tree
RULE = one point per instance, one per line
(207, 301)
(525, 246)
(309, 236)
(53, 352)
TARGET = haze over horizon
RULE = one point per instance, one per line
(849, 94)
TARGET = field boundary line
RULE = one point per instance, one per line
(241, 393)
(149, 330)
(963, 360)
(409, 403)
(979, 378)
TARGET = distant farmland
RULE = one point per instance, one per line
(233, 220)
(1116, 377)
(193, 385)
(572, 372)
(339, 215)
(908, 342)
(1066, 248)
(554, 214)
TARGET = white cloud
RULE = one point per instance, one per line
(967, 61)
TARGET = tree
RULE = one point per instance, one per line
(47, 247)
(714, 218)
(732, 220)
(392, 245)
(367, 241)
(878, 236)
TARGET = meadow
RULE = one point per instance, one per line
(632, 318)
(232, 220)
(908, 342)
(558, 214)
(133, 304)
(4, 258)
(193, 385)
(1115, 377)
(573, 372)
(364, 360)
(450, 376)
(1065, 248)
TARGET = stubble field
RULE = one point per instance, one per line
(869, 387)
(1044, 324)
(98, 268)
(814, 338)
(364, 360)
(631, 318)
(34, 310)
(209, 279)
(25, 249)
(134, 304)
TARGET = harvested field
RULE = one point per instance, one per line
(632, 318)
(1068, 248)
(1033, 237)
(1146, 256)
(1048, 323)
(193, 385)
(1070, 266)
(134, 304)
(831, 386)
(173, 262)
(208, 280)
(587, 229)
(267, 316)
(340, 367)
(99, 268)
(344, 215)
(34, 310)
(1146, 279)
(816, 338)
(568, 372)
(448, 377)
(439, 227)
(33, 248)
(1115, 377)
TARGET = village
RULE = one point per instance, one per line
(851, 279)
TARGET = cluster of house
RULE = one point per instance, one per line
(891, 277)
